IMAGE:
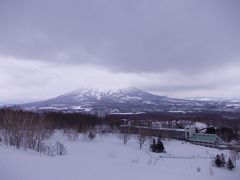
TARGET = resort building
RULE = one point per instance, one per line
(209, 140)
(187, 134)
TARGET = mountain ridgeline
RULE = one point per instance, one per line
(125, 101)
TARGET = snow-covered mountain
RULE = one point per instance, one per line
(107, 95)
(126, 100)
(109, 100)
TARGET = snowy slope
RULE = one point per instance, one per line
(107, 158)
(216, 99)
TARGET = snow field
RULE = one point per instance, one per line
(107, 158)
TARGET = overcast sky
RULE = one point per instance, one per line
(177, 48)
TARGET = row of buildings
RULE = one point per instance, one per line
(188, 134)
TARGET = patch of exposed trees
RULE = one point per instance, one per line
(23, 129)
(29, 130)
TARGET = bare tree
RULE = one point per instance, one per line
(42, 133)
(23, 129)
(141, 139)
(14, 125)
(125, 137)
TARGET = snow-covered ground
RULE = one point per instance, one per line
(107, 158)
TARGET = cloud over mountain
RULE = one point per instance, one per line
(175, 48)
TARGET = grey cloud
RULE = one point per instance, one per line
(126, 36)
(23, 80)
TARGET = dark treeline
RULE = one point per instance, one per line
(54, 120)
(76, 121)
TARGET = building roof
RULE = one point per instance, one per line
(155, 128)
(205, 138)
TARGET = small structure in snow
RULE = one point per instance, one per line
(208, 140)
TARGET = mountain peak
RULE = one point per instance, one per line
(104, 89)
(99, 92)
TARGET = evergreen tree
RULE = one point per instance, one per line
(230, 164)
(160, 146)
(157, 147)
(218, 161)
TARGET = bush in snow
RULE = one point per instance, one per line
(91, 135)
(43, 148)
(60, 149)
(49, 150)
(72, 134)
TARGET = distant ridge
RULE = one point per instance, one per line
(124, 100)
